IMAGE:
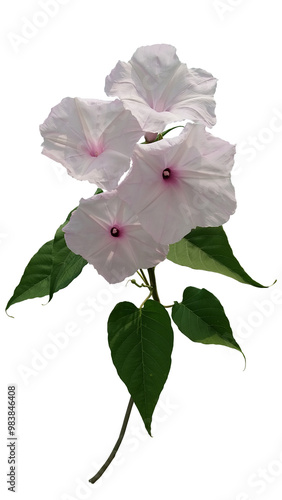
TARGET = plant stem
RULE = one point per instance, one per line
(153, 283)
(144, 277)
(147, 298)
(154, 293)
(117, 445)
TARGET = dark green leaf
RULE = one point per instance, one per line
(201, 317)
(141, 343)
(66, 265)
(208, 249)
(52, 268)
(35, 281)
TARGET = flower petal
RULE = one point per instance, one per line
(115, 256)
(93, 139)
(177, 184)
(158, 89)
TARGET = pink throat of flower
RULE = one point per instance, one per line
(95, 150)
(157, 105)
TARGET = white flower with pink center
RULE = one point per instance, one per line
(105, 231)
(177, 184)
(158, 89)
(93, 139)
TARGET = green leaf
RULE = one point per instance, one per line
(141, 342)
(52, 268)
(201, 317)
(66, 265)
(208, 249)
(36, 278)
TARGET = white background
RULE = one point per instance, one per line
(217, 431)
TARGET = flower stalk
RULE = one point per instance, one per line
(117, 445)
(152, 285)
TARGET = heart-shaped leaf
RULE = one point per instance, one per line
(141, 342)
(201, 317)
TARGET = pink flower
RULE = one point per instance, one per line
(177, 184)
(105, 231)
(158, 89)
(93, 139)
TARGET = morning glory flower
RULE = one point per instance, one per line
(105, 231)
(177, 184)
(158, 89)
(93, 139)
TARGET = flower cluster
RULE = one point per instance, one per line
(172, 185)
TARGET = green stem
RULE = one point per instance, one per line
(153, 283)
(117, 445)
(161, 135)
(170, 129)
(144, 277)
(147, 298)
(154, 293)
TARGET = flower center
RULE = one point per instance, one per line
(95, 148)
(166, 173)
(115, 231)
